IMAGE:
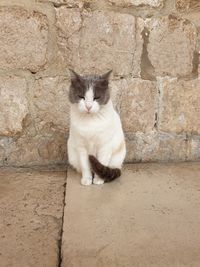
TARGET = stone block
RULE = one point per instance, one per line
(37, 151)
(24, 37)
(13, 104)
(179, 106)
(135, 100)
(94, 42)
(51, 105)
(171, 46)
(154, 146)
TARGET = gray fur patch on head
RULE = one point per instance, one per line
(80, 85)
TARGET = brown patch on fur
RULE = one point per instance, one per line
(104, 172)
(119, 148)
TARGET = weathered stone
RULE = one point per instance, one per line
(2, 152)
(34, 119)
(199, 70)
(185, 5)
(51, 104)
(13, 104)
(136, 102)
(39, 150)
(23, 41)
(53, 150)
(179, 106)
(194, 148)
(31, 217)
(92, 49)
(71, 3)
(122, 3)
(171, 45)
(23, 152)
(127, 3)
(155, 146)
(4, 142)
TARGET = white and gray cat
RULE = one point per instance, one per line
(96, 145)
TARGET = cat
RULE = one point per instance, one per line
(96, 144)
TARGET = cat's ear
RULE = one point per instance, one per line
(103, 81)
(106, 75)
(74, 75)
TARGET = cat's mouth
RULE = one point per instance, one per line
(88, 111)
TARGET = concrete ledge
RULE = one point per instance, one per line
(31, 210)
(149, 217)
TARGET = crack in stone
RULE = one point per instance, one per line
(59, 264)
(147, 69)
(195, 64)
(158, 102)
(156, 120)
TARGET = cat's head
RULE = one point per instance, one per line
(89, 93)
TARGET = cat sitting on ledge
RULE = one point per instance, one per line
(96, 145)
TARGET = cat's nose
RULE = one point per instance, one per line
(88, 106)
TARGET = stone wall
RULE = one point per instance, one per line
(151, 45)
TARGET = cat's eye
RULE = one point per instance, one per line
(97, 97)
(81, 97)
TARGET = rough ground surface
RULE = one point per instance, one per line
(31, 209)
(149, 217)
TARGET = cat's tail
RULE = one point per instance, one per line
(104, 172)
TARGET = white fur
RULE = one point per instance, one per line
(98, 180)
(97, 133)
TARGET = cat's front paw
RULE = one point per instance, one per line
(86, 181)
(98, 181)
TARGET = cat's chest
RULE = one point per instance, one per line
(91, 128)
(91, 132)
